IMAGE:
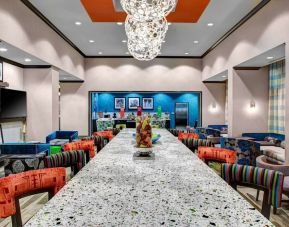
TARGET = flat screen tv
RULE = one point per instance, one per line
(12, 104)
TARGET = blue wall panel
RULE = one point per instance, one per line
(104, 102)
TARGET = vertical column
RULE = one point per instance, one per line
(41, 86)
(287, 102)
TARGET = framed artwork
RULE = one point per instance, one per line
(133, 103)
(119, 102)
(148, 103)
(1, 71)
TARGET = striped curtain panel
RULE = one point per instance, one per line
(277, 97)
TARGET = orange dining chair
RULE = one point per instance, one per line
(20, 185)
(185, 135)
(217, 154)
(86, 145)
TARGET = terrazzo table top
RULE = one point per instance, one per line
(175, 188)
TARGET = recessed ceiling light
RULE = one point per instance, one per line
(91, 41)
(196, 41)
(100, 52)
(119, 23)
(186, 53)
(126, 52)
(78, 23)
(169, 23)
(124, 41)
(224, 76)
(210, 24)
(270, 58)
(164, 41)
(27, 59)
(64, 78)
(2, 49)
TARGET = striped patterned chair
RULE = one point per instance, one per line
(269, 181)
(17, 186)
(175, 132)
(73, 159)
(217, 154)
(86, 145)
(185, 135)
(193, 144)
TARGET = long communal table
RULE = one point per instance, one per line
(174, 188)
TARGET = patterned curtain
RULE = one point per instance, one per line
(277, 97)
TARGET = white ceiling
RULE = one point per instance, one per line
(108, 36)
(266, 58)
(18, 56)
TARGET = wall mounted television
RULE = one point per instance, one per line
(13, 104)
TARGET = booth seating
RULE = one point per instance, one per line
(86, 145)
(263, 162)
(21, 157)
(73, 159)
(216, 154)
(269, 181)
(20, 185)
(61, 137)
(222, 128)
(193, 144)
(247, 150)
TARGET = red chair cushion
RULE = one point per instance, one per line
(217, 154)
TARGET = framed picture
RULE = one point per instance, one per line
(133, 103)
(148, 103)
(1, 71)
(118, 103)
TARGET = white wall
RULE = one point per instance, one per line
(132, 75)
(246, 86)
(40, 87)
(21, 28)
(13, 75)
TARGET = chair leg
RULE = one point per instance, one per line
(257, 195)
(266, 206)
(274, 210)
(16, 218)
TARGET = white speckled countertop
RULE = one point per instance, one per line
(174, 189)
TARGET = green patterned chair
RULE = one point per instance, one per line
(194, 144)
(269, 181)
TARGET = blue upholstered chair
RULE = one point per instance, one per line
(61, 137)
(247, 150)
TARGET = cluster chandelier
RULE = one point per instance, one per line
(146, 26)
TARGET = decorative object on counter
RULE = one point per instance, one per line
(144, 133)
(159, 112)
(13, 187)
(155, 137)
(139, 111)
(119, 103)
(121, 112)
(114, 115)
(148, 103)
(133, 103)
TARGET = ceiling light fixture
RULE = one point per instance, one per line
(100, 53)
(224, 76)
(78, 23)
(146, 26)
(270, 58)
(124, 41)
(186, 53)
(91, 41)
(27, 59)
(2, 49)
(126, 52)
(169, 24)
(119, 23)
(210, 24)
(196, 42)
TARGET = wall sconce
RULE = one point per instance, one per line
(214, 105)
(252, 104)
